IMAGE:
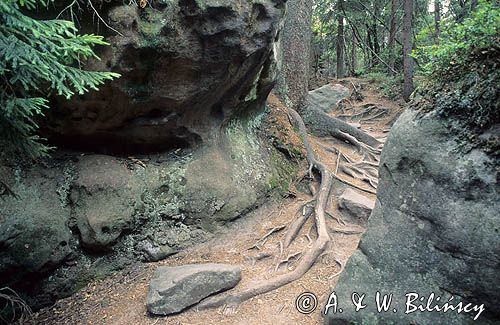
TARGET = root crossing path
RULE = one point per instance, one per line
(285, 248)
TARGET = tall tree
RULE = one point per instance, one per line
(473, 5)
(437, 19)
(354, 54)
(295, 52)
(407, 49)
(340, 40)
(392, 34)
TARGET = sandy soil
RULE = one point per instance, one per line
(120, 299)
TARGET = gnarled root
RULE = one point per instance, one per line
(309, 257)
(324, 125)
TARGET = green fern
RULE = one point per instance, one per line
(37, 59)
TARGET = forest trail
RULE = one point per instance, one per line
(120, 299)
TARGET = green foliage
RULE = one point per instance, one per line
(459, 39)
(463, 76)
(390, 86)
(37, 59)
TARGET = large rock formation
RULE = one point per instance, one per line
(434, 229)
(195, 74)
(187, 68)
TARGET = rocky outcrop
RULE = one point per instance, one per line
(83, 217)
(187, 67)
(174, 289)
(34, 237)
(196, 75)
(434, 229)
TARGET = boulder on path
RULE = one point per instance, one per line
(175, 288)
(328, 97)
(357, 204)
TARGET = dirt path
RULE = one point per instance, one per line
(121, 299)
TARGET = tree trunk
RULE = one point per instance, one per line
(473, 5)
(370, 47)
(354, 57)
(437, 19)
(340, 41)
(462, 12)
(376, 14)
(407, 48)
(294, 53)
(392, 34)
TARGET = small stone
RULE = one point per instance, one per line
(357, 204)
(176, 288)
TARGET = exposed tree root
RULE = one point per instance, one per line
(371, 112)
(296, 226)
(264, 238)
(369, 152)
(309, 257)
(290, 257)
(360, 174)
(259, 257)
(363, 170)
(339, 220)
(323, 125)
(15, 305)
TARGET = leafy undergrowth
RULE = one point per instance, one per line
(463, 77)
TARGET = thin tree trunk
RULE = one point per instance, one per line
(354, 56)
(392, 35)
(407, 48)
(462, 11)
(473, 5)
(340, 42)
(370, 47)
(376, 45)
(437, 19)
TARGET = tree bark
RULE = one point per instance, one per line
(369, 44)
(462, 12)
(407, 48)
(340, 41)
(354, 56)
(392, 35)
(473, 5)
(376, 44)
(437, 19)
(294, 53)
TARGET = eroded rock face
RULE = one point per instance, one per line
(176, 288)
(434, 229)
(187, 67)
(34, 237)
(193, 72)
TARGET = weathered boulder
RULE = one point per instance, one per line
(173, 289)
(357, 204)
(434, 229)
(327, 98)
(187, 68)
